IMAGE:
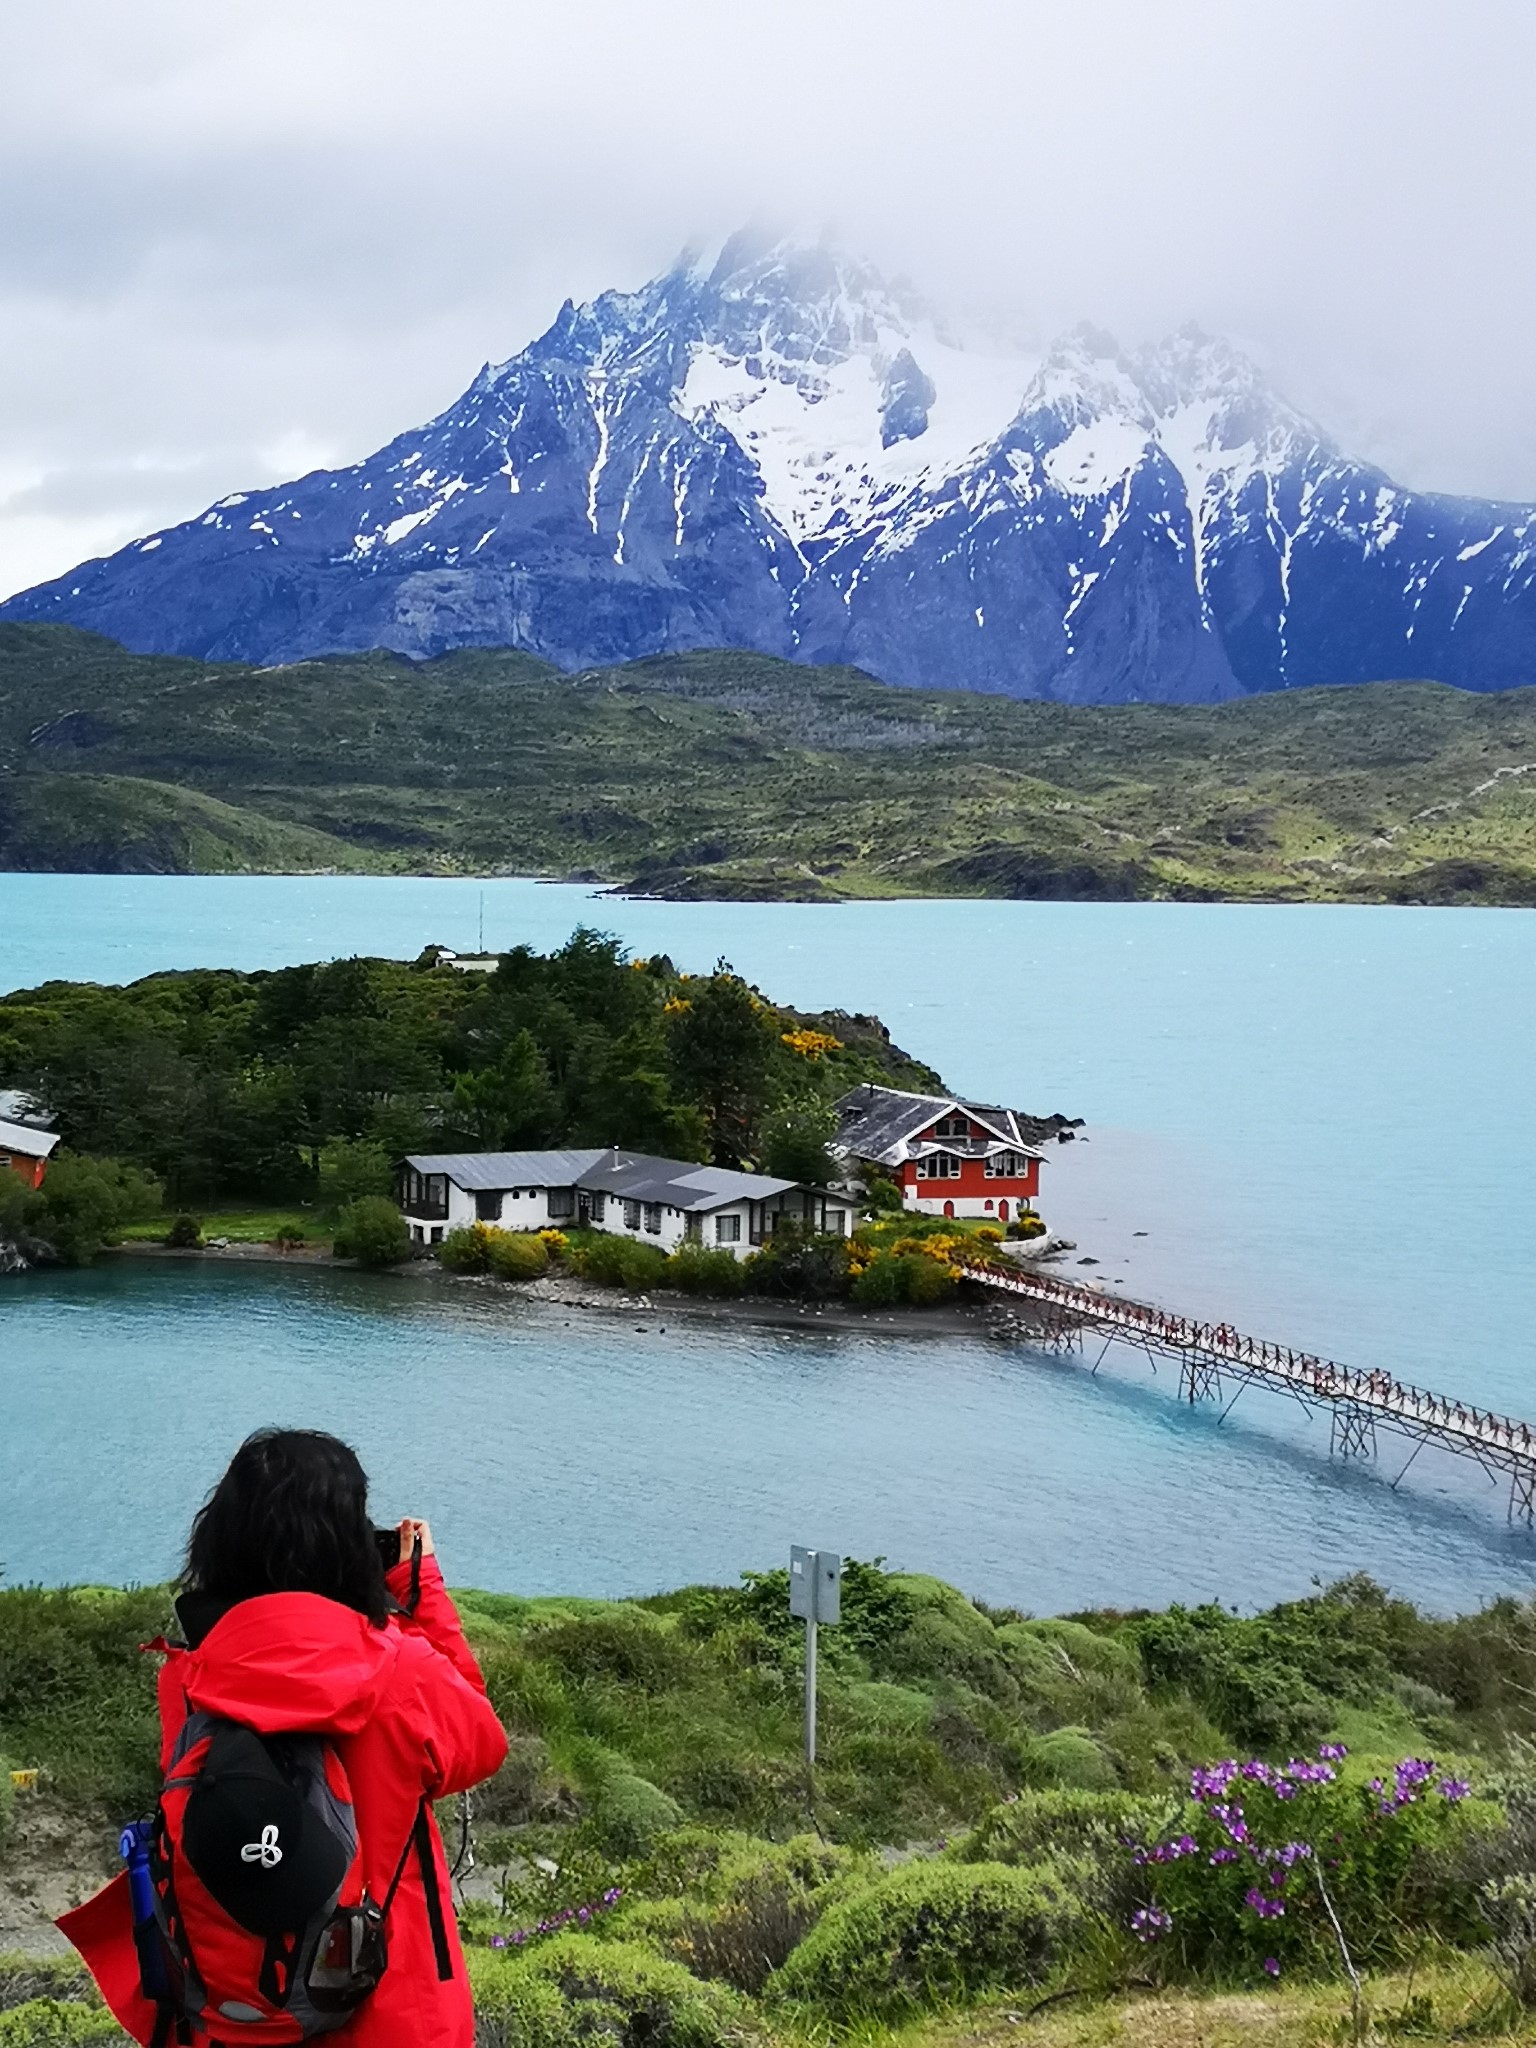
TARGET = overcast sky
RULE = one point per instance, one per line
(241, 239)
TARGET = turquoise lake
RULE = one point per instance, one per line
(1322, 1119)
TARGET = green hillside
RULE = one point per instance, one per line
(729, 774)
(1018, 1828)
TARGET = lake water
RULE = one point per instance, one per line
(1322, 1119)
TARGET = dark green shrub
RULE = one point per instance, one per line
(760, 1902)
(77, 1695)
(881, 1194)
(1069, 1757)
(927, 1933)
(622, 1644)
(372, 1231)
(620, 1262)
(57, 2023)
(628, 1812)
(517, 1255)
(467, 1249)
(800, 1264)
(83, 1204)
(29, 1980)
(702, 1269)
(925, 1281)
(879, 1285)
(184, 1235)
(611, 1993)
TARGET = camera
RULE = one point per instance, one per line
(388, 1541)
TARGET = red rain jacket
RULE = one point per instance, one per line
(405, 1705)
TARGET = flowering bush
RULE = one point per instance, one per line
(1291, 1864)
(517, 1255)
(811, 1045)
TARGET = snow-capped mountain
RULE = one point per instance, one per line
(778, 449)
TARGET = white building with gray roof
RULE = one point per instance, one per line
(664, 1202)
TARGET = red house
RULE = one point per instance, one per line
(948, 1158)
(26, 1142)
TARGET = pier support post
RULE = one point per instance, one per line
(1199, 1379)
(1522, 1495)
(1354, 1431)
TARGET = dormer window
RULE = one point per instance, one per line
(952, 1125)
(939, 1166)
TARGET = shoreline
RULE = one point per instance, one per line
(975, 1316)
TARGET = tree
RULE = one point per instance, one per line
(723, 1045)
(512, 1103)
(83, 1204)
(796, 1140)
(372, 1231)
(351, 1168)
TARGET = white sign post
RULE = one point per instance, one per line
(815, 1596)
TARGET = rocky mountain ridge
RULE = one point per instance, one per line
(779, 450)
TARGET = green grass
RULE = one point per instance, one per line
(911, 1900)
(731, 774)
(240, 1226)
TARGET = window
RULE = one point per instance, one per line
(599, 1207)
(952, 1126)
(939, 1166)
(437, 1233)
(488, 1205)
(837, 1223)
(631, 1215)
(653, 1217)
(727, 1230)
(1004, 1165)
(425, 1194)
(562, 1201)
(693, 1229)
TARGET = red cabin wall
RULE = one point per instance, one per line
(31, 1170)
(973, 1183)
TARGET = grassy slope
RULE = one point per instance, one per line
(735, 774)
(933, 1711)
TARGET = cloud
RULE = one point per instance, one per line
(232, 228)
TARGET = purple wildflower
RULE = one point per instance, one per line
(1271, 1966)
(1148, 1923)
(1454, 1789)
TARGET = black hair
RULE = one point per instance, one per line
(289, 1516)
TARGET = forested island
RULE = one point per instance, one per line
(1311, 1825)
(732, 775)
(278, 1104)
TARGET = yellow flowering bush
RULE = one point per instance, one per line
(811, 1045)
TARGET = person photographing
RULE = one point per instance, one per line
(291, 1882)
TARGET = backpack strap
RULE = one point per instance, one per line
(420, 1839)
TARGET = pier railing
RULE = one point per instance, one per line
(1213, 1356)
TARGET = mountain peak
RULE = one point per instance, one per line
(773, 445)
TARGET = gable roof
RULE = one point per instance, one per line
(27, 1140)
(629, 1176)
(884, 1124)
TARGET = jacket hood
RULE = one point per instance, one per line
(289, 1661)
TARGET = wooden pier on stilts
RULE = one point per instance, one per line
(1216, 1362)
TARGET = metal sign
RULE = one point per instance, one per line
(815, 1596)
(815, 1585)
